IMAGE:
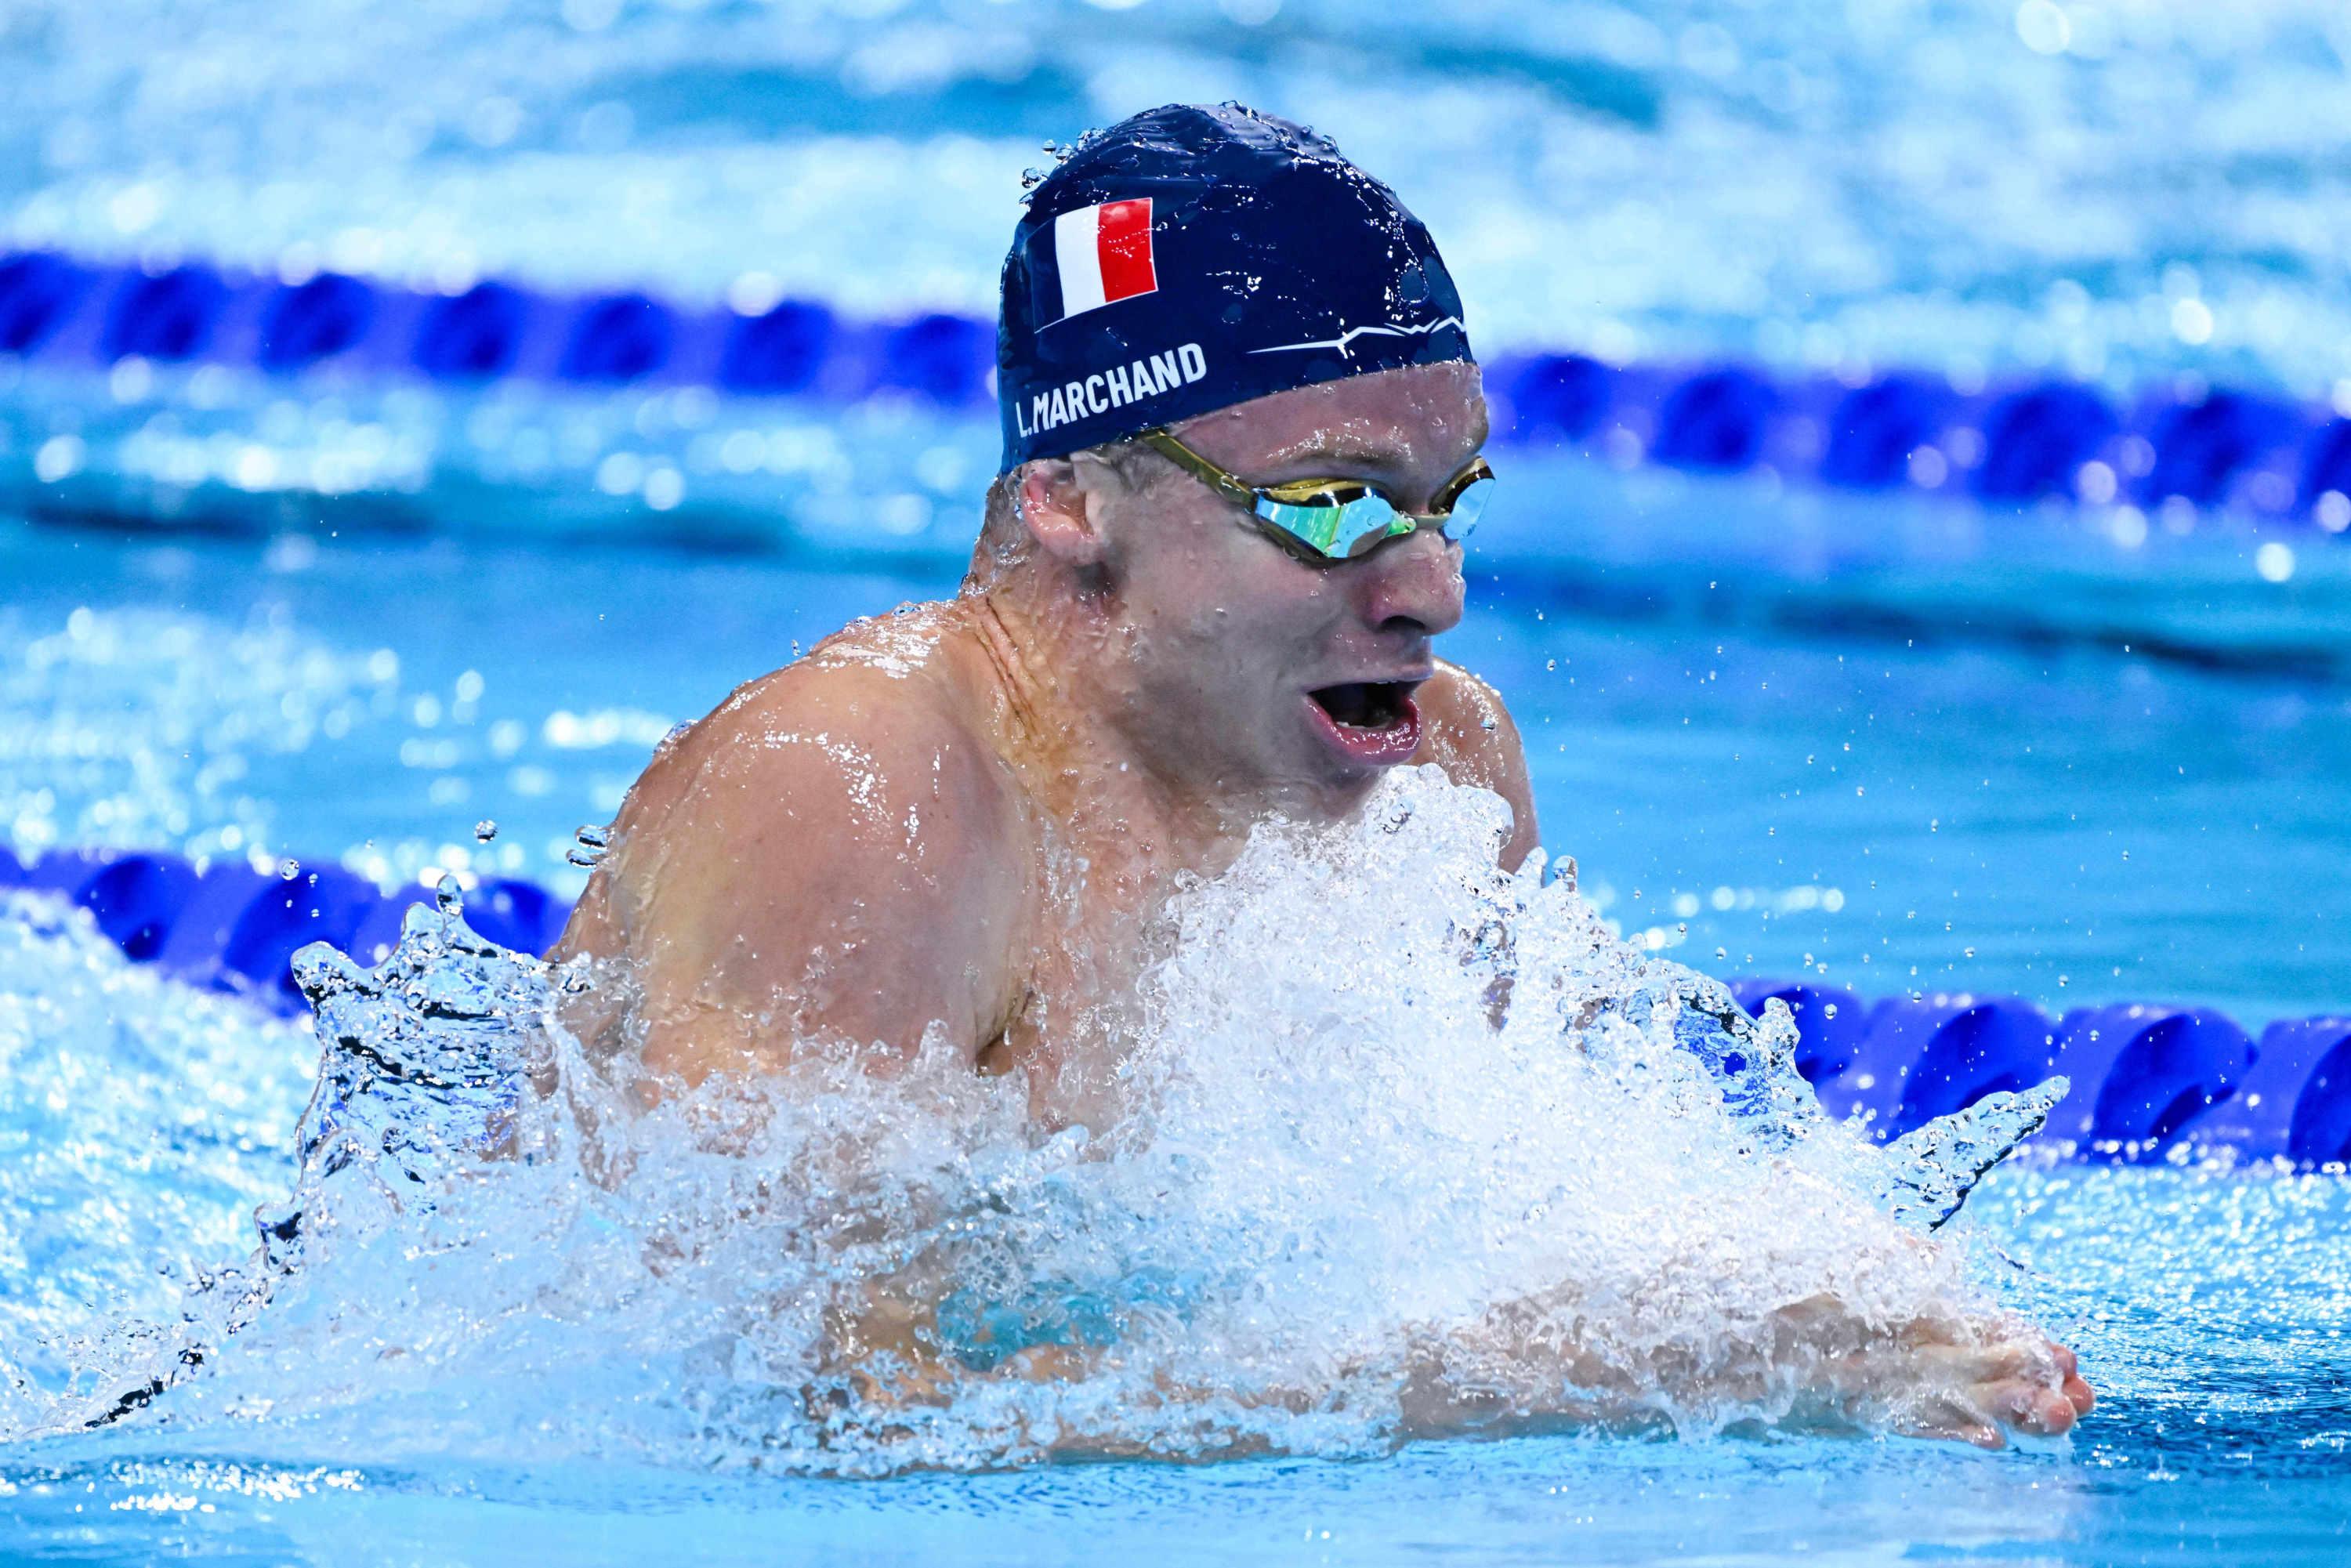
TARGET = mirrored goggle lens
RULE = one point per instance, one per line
(1468, 506)
(1347, 528)
(1353, 526)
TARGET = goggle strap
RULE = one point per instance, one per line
(1166, 445)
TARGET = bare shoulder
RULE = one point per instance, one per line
(1467, 731)
(870, 743)
(837, 848)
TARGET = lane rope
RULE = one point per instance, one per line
(2146, 1078)
(2016, 443)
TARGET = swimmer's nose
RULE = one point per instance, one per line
(1411, 585)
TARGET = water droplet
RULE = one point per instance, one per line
(485, 829)
(1031, 178)
(448, 894)
(586, 846)
(287, 870)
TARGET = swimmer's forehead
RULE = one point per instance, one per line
(1422, 418)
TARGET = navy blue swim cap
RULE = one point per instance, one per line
(1192, 258)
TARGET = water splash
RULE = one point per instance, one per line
(1931, 1171)
(1404, 1143)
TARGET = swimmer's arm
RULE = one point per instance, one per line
(1520, 1371)
(829, 857)
(1467, 731)
(1931, 1377)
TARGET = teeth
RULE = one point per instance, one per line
(1362, 704)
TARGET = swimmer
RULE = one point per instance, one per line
(1242, 435)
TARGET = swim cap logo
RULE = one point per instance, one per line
(1345, 341)
(1102, 255)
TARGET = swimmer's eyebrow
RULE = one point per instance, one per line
(1343, 453)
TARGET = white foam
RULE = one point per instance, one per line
(1339, 1196)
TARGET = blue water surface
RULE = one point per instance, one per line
(2079, 755)
(1679, 750)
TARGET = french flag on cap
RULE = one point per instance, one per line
(1102, 255)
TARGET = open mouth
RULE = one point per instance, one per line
(1365, 704)
(1372, 722)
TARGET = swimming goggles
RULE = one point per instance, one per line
(1325, 520)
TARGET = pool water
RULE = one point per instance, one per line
(2031, 779)
(2076, 755)
(232, 697)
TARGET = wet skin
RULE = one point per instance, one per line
(958, 816)
(959, 819)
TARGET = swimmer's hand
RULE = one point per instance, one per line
(1978, 1381)
(1981, 1393)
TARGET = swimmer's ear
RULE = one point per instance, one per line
(1063, 513)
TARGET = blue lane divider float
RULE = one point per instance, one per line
(228, 927)
(2145, 1078)
(2007, 445)
(55, 309)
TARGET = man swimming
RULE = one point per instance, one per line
(1242, 433)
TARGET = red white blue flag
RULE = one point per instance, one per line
(1102, 255)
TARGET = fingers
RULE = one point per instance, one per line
(1979, 1390)
(1984, 1416)
(2031, 1386)
(2076, 1390)
(1962, 1364)
(1949, 1417)
(2033, 1407)
(2056, 1412)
